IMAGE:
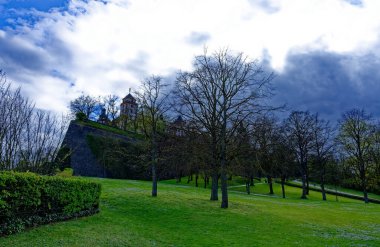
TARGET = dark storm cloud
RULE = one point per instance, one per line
(330, 83)
(19, 56)
(198, 38)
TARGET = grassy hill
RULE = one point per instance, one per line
(111, 129)
(182, 215)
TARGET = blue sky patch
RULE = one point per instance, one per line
(41, 5)
(355, 2)
(14, 11)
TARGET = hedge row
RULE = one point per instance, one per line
(28, 200)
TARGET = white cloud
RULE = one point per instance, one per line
(109, 48)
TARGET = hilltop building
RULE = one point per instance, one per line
(177, 127)
(128, 107)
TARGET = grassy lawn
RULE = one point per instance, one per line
(340, 189)
(183, 216)
(237, 184)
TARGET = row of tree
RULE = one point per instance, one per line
(230, 130)
(91, 107)
(301, 146)
(29, 138)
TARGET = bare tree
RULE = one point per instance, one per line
(111, 104)
(322, 148)
(265, 133)
(29, 138)
(15, 113)
(375, 153)
(42, 138)
(356, 138)
(223, 90)
(153, 101)
(284, 158)
(299, 128)
(84, 104)
(245, 160)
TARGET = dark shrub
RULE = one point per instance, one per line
(28, 200)
(81, 116)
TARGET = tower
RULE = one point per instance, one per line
(128, 107)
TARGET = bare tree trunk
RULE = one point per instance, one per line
(323, 188)
(214, 186)
(196, 180)
(283, 186)
(365, 195)
(307, 180)
(252, 182)
(205, 181)
(223, 163)
(154, 181)
(224, 189)
(364, 182)
(304, 189)
(179, 176)
(248, 187)
(154, 172)
(364, 186)
(270, 185)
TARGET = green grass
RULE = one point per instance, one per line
(340, 189)
(351, 191)
(237, 184)
(183, 216)
(114, 130)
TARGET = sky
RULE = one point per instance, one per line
(325, 53)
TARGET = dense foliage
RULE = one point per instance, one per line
(27, 199)
(121, 159)
(111, 129)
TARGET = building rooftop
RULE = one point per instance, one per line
(129, 99)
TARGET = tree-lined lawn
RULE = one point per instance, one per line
(262, 188)
(184, 216)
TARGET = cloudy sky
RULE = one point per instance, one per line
(325, 53)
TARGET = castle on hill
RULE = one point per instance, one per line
(128, 110)
(128, 107)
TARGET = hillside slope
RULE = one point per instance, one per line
(184, 216)
(83, 158)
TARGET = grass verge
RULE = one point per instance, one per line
(184, 216)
